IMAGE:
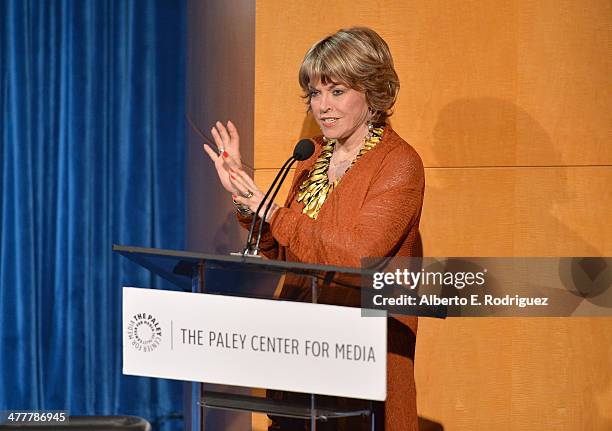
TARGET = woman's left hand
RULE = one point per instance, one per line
(249, 194)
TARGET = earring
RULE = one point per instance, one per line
(370, 133)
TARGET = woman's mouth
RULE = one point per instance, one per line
(329, 122)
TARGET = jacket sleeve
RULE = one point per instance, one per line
(391, 208)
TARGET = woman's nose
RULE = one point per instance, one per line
(324, 104)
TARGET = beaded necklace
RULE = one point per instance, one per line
(314, 190)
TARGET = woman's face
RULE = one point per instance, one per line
(340, 111)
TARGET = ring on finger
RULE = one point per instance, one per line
(221, 150)
(248, 194)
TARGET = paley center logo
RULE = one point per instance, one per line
(144, 332)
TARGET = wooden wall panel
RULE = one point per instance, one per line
(565, 76)
(220, 71)
(509, 105)
(557, 211)
(527, 374)
(221, 65)
(484, 83)
(516, 374)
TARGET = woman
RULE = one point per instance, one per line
(359, 195)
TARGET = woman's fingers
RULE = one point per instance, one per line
(227, 140)
(248, 192)
(233, 178)
(217, 138)
(223, 132)
(222, 171)
(230, 164)
(241, 186)
(211, 153)
(233, 134)
(244, 177)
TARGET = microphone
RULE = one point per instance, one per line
(302, 151)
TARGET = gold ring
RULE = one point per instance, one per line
(248, 194)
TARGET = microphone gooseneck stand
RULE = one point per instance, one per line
(302, 151)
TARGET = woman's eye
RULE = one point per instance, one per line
(313, 93)
(338, 92)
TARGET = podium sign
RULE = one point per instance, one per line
(261, 343)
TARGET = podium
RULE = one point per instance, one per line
(242, 279)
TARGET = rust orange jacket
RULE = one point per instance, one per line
(373, 211)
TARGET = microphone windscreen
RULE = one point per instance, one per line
(303, 150)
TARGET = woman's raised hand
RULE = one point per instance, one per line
(229, 168)
(249, 194)
(227, 155)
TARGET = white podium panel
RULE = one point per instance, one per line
(293, 346)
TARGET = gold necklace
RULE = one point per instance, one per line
(316, 187)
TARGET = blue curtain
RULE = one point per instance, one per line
(91, 154)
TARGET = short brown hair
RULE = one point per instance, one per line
(357, 57)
